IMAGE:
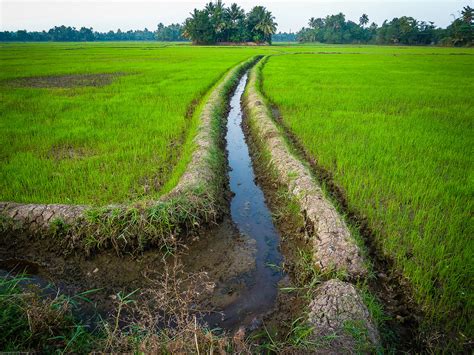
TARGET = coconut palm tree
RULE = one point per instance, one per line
(216, 13)
(235, 17)
(267, 26)
(467, 14)
(364, 20)
(261, 24)
(235, 13)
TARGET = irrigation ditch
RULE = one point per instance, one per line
(262, 254)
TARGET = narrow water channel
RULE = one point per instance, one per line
(253, 220)
(241, 255)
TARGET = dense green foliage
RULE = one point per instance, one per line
(217, 23)
(284, 37)
(171, 33)
(115, 142)
(403, 30)
(71, 34)
(396, 134)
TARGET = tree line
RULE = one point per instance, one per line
(404, 30)
(172, 32)
(216, 23)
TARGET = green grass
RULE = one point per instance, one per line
(395, 129)
(28, 321)
(108, 144)
(120, 142)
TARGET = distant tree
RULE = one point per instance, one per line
(363, 20)
(172, 33)
(336, 29)
(86, 34)
(467, 14)
(198, 28)
(235, 16)
(22, 36)
(217, 15)
(261, 24)
(284, 37)
(461, 30)
(216, 23)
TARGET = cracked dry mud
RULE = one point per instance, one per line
(340, 319)
(336, 306)
(334, 246)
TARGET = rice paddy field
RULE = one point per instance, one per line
(100, 123)
(104, 123)
(395, 130)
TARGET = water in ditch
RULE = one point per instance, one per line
(253, 220)
(241, 255)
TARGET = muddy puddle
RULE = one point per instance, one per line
(240, 256)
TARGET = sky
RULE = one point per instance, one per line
(104, 15)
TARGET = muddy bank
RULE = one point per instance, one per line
(226, 256)
(333, 248)
(386, 283)
(240, 256)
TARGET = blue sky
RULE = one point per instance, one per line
(104, 15)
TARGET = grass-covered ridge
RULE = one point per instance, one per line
(395, 132)
(72, 137)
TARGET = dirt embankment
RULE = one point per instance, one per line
(337, 307)
(197, 200)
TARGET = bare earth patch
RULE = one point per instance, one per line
(340, 317)
(66, 81)
(67, 151)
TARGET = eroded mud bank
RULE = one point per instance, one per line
(400, 317)
(240, 256)
(336, 303)
(195, 201)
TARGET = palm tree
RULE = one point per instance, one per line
(234, 16)
(235, 13)
(210, 7)
(217, 13)
(316, 23)
(267, 26)
(198, 28)
(261, 24)
(467, 14)
(216, 23)
(364, 20)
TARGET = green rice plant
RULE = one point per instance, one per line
(120, 139)
(123, 138)
(394, 130)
